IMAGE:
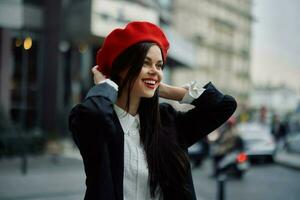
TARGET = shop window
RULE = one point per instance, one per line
(24, 84)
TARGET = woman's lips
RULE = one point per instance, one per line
(150, 83)
(150, 86)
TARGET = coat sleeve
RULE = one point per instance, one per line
(212, 109)
(90, 123)
(89, 119)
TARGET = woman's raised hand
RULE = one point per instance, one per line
(171, 92)
(98, 76)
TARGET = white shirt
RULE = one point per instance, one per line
(135, 183)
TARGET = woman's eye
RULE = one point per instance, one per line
(159, 66)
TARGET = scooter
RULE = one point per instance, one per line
(234, 163)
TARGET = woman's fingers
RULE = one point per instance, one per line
(94, 69)
(98, 76)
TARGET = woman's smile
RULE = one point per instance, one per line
(151, 83)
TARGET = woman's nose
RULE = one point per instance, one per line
(153, 69)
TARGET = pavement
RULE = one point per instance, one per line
(288, 159)
(62, 177)
(46, 179)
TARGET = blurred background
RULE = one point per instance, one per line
(247, 48)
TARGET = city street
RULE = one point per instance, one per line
(262, 182)
(65, 181)
(92, 74)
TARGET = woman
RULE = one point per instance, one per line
(132, 147)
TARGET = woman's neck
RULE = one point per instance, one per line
(133, 106)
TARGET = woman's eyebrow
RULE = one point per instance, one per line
(148, 58)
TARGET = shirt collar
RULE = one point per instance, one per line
(127, 121)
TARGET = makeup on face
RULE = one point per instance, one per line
(150, 75)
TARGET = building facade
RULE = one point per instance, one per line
(20, 55)
(48, 48)
(221, 32)
(280, 100)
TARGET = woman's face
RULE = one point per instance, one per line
(150, 75)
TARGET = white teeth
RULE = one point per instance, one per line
(150, 82)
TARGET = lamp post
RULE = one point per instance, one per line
(221, 180)
(23, 108)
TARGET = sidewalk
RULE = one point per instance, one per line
(70, 150)
(288, 159)
(45, 180)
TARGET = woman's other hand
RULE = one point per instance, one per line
(98, 76)
(171, 92)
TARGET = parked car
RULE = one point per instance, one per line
(292, 140)
(258, 140)
(293, 143)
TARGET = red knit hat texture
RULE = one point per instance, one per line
(120, 39)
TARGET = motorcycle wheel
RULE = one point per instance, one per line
(239, 174)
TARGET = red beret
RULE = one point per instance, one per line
(120, 39)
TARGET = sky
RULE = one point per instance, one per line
(276, 43)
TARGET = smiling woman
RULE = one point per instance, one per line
(134, 148)
(150, 75)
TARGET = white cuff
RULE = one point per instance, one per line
(110, 82)
(194, 91)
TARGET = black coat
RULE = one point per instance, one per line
(99, 136)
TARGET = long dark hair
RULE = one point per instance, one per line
(167, 162)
